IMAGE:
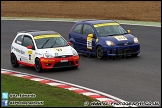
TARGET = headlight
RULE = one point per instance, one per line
(110, 43)
(47, 55)
(75, 53)
(136, 40)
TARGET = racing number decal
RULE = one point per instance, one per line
(120, 38)
(29, 52)
(89, 42)
(59, 49)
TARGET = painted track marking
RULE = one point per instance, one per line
(103, 97)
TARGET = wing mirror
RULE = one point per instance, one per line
(90, 35)
(69, 43)
(29, 47)
(128, 31)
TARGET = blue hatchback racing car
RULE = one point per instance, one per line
(103, 38)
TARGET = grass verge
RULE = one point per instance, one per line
(51, 96)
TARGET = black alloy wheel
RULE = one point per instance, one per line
(38, 66)
(14, 62)
(99, 52)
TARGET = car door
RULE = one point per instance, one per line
(29, 53)
(76, 34)
(87, 29)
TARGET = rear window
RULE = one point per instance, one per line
(77, 28)
(19, 39)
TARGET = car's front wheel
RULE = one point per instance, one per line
(14, 62)
(99, 52)
(38, 66)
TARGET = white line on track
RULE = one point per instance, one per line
(136, 23)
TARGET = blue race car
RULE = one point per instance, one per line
(103, 38)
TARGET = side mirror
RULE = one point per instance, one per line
(90, 35)
(128, 31)
(29, 47)
(69, 43)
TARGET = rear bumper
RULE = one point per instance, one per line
(49, 63)
(121, 50)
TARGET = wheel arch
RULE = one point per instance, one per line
(35, 59)
(97, 47)
(74, 42)
(14, 54)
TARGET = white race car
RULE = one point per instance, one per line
(42, 50)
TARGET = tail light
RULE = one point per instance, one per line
(12, 41)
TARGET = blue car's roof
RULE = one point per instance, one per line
(96, 21)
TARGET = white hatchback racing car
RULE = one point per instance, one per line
(42, 50)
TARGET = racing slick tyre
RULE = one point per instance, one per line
(99, 52)
(14, 62)
(134, 55)
(38, 66)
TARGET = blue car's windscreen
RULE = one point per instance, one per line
(110, 30)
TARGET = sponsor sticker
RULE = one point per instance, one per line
(47, 36)
(64, 60)
(105, 24)
(56, 54)
(29, 51)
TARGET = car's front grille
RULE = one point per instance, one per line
(124, 44)
(64, 64)
(126, 51)
(63, 56)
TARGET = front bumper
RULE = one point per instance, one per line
(59, 62)
(121, 50)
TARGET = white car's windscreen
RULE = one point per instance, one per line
(50, 42)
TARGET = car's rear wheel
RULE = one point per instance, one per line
(14, 62)
(99, 52)
(134, 55)
(38, 66)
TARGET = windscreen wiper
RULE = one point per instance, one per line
(116, 34)
(125, 33)
(45, 43)
(53, 43)
(111, 35)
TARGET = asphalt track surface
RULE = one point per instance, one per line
(130, 79)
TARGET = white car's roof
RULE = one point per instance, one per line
(39, 32)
